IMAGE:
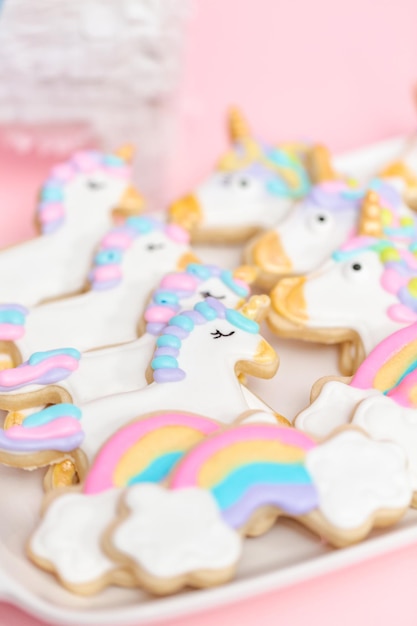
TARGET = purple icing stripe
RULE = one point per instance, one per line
(290, 498)
(63, 444)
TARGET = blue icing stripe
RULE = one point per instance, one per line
(168, 341)
(52, 193)
(162, 362)
(341, 255)
(157, 470)
(164, 297)
(142, 225)
(206, 310)
(183, 322)
(242, 322)
(229, 281)
(234, 486)
(38, 357)
(277, 187)
(106, 257)
(52, 413)
(12, 317)
(201, 271)
(113, 161)
(408, 371)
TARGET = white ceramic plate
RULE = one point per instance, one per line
(284, 556)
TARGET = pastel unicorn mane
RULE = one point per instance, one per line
(50, 211)
(165, 302)
(107, 266)
(168, 345)
(281, 170)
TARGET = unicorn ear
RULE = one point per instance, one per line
(247, 273)
(370, 219)
(256, 308)
(319, 164)
(126, 152)
(239, 130)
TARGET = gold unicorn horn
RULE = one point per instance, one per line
(256, 308)
(126, 152)
(247, 273)
(238, 127)
(370, 222)
(319, 164)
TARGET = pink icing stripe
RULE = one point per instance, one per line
(100, 476)
(85, 161)
(409, 257)
(117, 239)
(26, 373)
(122, 171)
(401, 394)
(186, 473)
(11, 332)
(62, 172)
(392, 281)
(177, 233)
(159, 314)
(364, 377)
(58, 428)
(51, 212)
(401, 313)
(180, 282)
(103, 273)
(357, 242)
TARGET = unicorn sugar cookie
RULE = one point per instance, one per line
(365, 292)
(131, 259)
(67, 541)
(230, 483)
(380, 398)
(77, 205)
(315, 227)
(252, 188)
(226, 341)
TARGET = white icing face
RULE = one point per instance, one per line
(356, 477)
(170, 533)
(309, 234)
(384, 419)
(349, 294)
(154, 251)
(89, 195)
(69, 536)
(239, 199)
(333, 407)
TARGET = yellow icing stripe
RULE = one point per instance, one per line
(388, 375)
(243, 453)
(152, 446)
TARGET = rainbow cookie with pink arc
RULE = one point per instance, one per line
(392, 367)
(146, 450)
(251, 466)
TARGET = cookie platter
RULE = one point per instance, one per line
(284, 556)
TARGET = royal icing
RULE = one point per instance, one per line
(74, 211)
(253, 187)
(348, 478)
(195, 539)
(108, 315)
(69, 534)
(86, 379)
(223, 338)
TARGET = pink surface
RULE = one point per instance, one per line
(340, 73)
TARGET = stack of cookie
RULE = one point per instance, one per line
(126, 357)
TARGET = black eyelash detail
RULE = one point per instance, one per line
(94, 184)
(155, 246)
(217, 334)
(208, 294)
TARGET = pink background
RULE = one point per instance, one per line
(342, 73)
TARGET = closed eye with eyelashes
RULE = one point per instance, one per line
(208, 294)
(217, 334)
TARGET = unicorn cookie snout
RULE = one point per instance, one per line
(131, 202)
(186, 212)
(268, 255)
(288, 302)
